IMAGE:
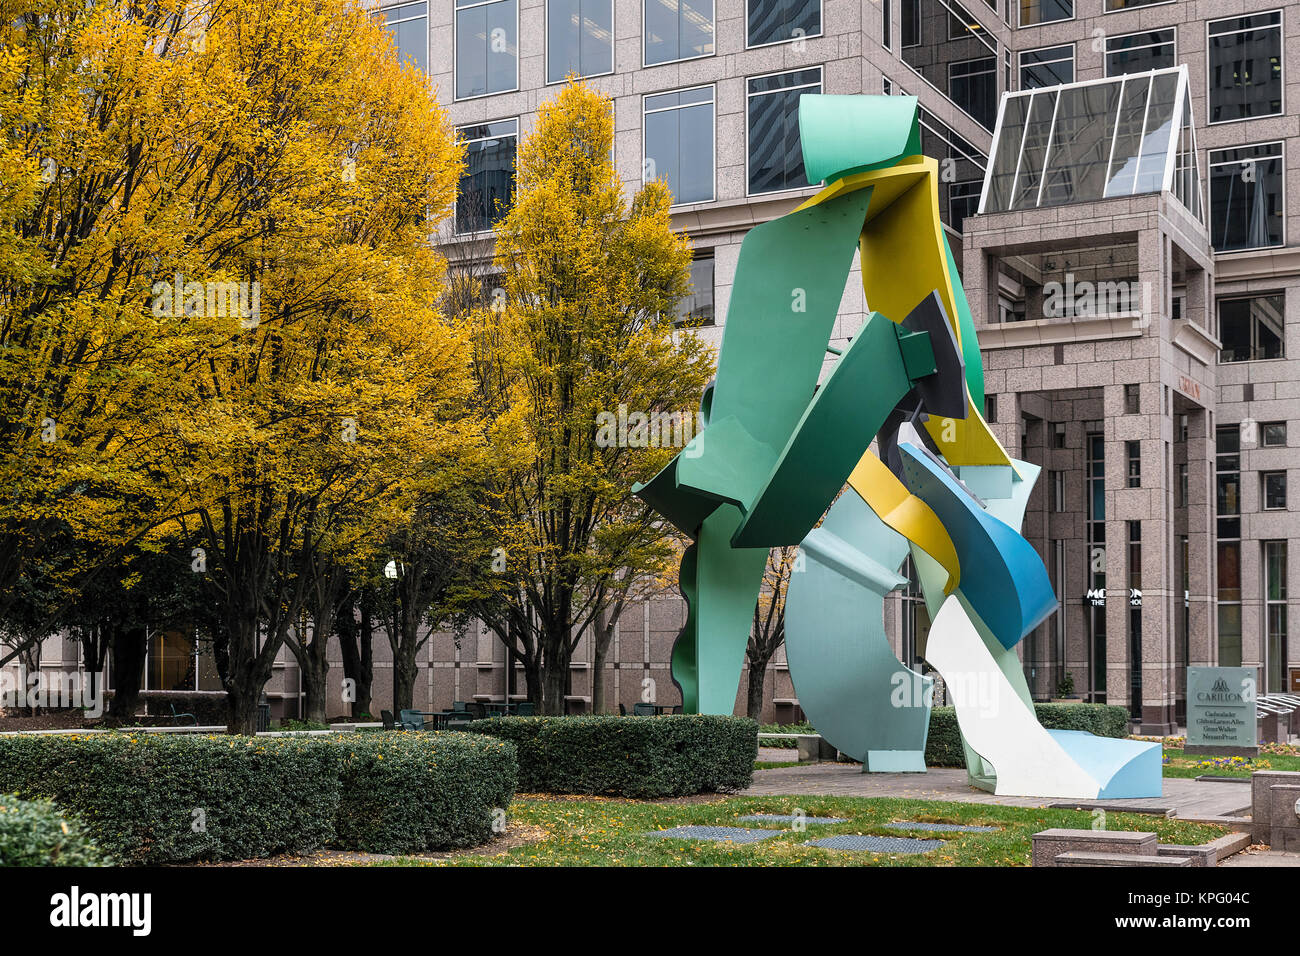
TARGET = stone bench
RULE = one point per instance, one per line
(812, 747)
(1075, 858)
(1048, 845)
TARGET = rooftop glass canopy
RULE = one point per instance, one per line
(1098, 139)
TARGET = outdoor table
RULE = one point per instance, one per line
(666, 708)
(498, 707)
(438, 718)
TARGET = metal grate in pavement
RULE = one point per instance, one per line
(719, 834)
(876, 844)
(779, 818)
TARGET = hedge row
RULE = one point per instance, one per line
(36, 833)
(153, 798)
(641, 757)
(943, 746)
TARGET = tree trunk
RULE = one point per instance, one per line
(604, 640)
(355, 642)
(555, 675)
(129, 648)
(754, 704)
(404, 673)
(248, 671)
(242, 698)
(315, 686)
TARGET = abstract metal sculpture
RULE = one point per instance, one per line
(780, 444)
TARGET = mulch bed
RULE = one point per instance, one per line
(516, 835)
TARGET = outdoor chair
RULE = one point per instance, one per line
(525, 709)
(411, 720)
(194, 721)
(622, 711)
(643, 710)
(478, 711)
(457, 705)
(387, 717)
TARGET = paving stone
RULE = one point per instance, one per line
(877, 844)
(719, 834)
(779, 818)
(942, 827)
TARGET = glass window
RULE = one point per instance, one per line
(911, 22)
(486, 47)
(1251, 328)
(1132, 399)
(1113, 5)
(408, 25)
(697, 307)
(579, 38)
(1087, 141)
(1273, 434)
(973, 86)
(488, 182)
(1045, 11)
(950, 48)
(677, 30)
(678, 140)
(1246, 197)
(1245, 56)
(1274, 490)
(779, 21)
(1050, 66)
(1275, 605)
(775, 156)
(1133, 451)
(887, 24)
(1140, 52)
(965, 163)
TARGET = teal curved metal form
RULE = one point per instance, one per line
(784, 457)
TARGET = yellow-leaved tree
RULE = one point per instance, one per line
(220, 292)
(574, 364)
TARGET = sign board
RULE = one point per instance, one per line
(1096, 597)
(1221, 707)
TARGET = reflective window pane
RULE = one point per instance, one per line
(1245, 67)
(579, 38)
(1140, 52)
(775, 155)
(488, 182)
(1252, 328)
(1246, 201)
(1076, 166)
(776, 21)
(678, 141)
(677, 30)
(1045, 11)
(697, 307)
(408, 25)
(486, 48)
(1048, 67)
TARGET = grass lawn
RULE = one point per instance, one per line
(594, 831)
(1180, 764)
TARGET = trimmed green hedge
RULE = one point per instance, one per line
(154, 798)
(405, 792)
(943, 746)
(641, 757)
(37, 833)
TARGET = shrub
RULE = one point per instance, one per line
(153, 798)
(37, 833)
(408, 792)
(667, 756)
(943, 745)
